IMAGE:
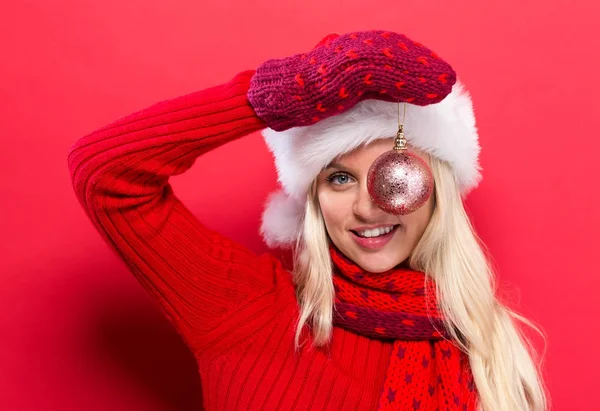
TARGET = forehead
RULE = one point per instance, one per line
(372, 151)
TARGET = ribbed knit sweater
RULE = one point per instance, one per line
(236, 311)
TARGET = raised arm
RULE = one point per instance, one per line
(120, 174)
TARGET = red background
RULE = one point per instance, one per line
(77, 331)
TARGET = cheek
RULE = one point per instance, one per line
(333, 209)
(418, 221)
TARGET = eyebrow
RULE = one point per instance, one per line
(335, 165)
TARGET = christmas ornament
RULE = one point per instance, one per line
(398, 181)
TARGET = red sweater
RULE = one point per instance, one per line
(235, 310)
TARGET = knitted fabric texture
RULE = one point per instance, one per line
(343, 70)
(426, 370)
(388, 305)
(236, 311)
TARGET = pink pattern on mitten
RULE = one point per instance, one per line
(343, 70)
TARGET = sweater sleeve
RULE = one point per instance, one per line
(120, 174)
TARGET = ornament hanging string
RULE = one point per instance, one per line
(400, 141)
(403, 117)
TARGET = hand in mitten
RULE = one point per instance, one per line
(343, 70)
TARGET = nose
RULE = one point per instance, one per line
(364, 208)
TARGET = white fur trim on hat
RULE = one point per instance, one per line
(446, 130)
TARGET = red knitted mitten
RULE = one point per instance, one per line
(343, 70)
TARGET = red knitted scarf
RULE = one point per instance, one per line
(426, 370)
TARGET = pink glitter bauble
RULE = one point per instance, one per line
(399, 182)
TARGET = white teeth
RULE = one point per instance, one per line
(376, 232)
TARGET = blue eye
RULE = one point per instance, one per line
(341, 178)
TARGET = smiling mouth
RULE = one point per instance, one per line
(380, 239)
(379, 233)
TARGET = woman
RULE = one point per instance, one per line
(382, 311)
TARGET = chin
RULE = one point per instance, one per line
(375, 263)
(376, 269)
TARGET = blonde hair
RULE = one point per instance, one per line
(450, 253)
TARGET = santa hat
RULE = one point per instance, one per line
(445, 129)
